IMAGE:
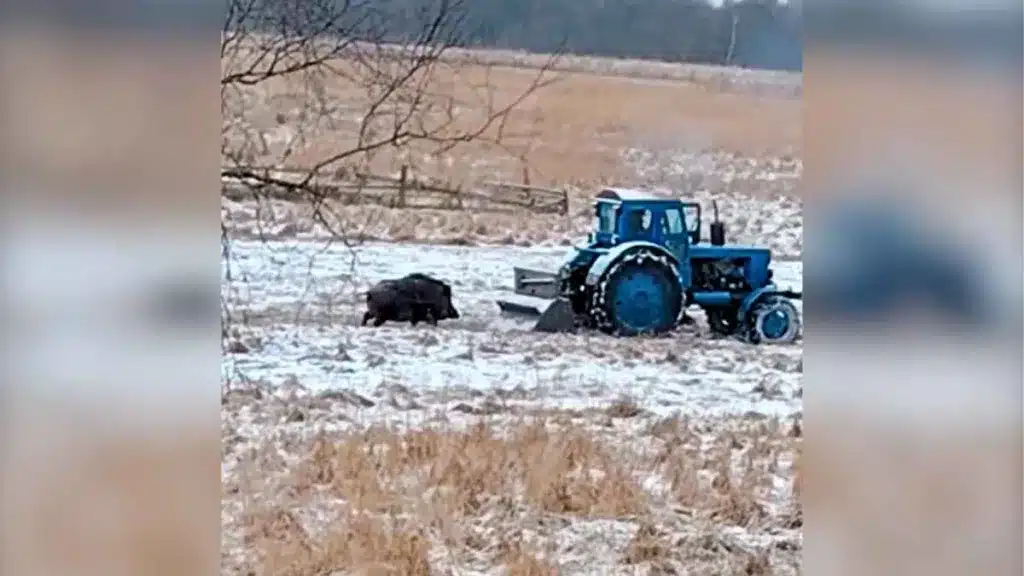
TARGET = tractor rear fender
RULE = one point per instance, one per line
(603, 262)
(761, 293)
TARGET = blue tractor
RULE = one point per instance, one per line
(644, 265)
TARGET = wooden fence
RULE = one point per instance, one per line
(402, 191)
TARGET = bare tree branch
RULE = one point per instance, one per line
(329, 86)
(382, 54)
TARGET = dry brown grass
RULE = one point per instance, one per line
(523, 564)
(466, 470)
(367, 544)
(504, 493)
(718, 78)
(649, 544)
(568, 133)
(596, 123)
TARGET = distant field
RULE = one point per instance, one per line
(640, 68)
(573, 131)
(700, 131)
(721, 78)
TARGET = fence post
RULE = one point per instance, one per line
(402, 182)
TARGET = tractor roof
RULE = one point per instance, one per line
(631, 195)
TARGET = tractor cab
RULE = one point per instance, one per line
(623, 215)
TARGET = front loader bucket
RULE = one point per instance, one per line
(539, 283)
(552, 315)
(519, 309)
(558, 317)
(537, 297)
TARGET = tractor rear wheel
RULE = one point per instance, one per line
(773, 320)
(639, 294)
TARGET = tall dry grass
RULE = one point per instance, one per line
(571, 132)
(523, 494)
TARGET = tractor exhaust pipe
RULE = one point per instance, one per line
(717, 227)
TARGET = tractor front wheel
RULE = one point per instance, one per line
(639, 294)
(773, 320)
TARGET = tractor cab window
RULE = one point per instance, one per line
(605, 215)
(637, 222)
(691, 216)
(673, 222)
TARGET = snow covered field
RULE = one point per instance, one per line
(297, 307)
(480, 447)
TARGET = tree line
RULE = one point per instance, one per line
(763, 34)
(751, 33)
